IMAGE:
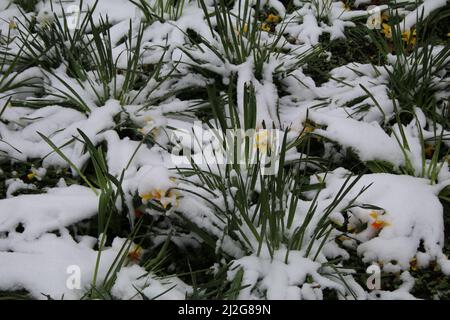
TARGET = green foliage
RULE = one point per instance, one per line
(27, 5)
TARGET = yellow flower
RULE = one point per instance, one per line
(409, 38)
(387, 30)
(265, 27)
(378, 224)
(436, 267)
(343, 238)
(156, 194)
(272, 18)
(153, 132)
(244, 30)
(385, 16)
(413, 264)
(31, 176)
(135, 254)
(406, 35)
(149, 124)
(162, 196)
(373, 214)
(309, 129)
(172, 199)
(261, 141)
(12, 24)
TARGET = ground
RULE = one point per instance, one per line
(253, 149)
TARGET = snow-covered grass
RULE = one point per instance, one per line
(119, 178)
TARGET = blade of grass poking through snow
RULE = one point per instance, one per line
(105, 208)
(419, 68)
(65, 158)
(236, 285)
(338, 275)
(111, 190)
(153, 263)
(217, 108)
(120, 258)
(339, 197)
(133, 57)
(9, 82)
(375, 101)
(226, 229)
(435, 165)
(101, 245)
(160, 9)
(10, 145)
(403, 143)
(133, 66)
(49, 46)
(231, 27)
(75, 98)
(69, 142)
(6, 105)
(110, 187)
(163, 293)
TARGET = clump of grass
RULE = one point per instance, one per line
(258, 209)
(252, 212)
(418, 72)
(160, 10)
(27, 5)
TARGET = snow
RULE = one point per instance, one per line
(39, 231)
(422, 11)
(60, 125)
(412, 220)
(16, 185)
(49, 257)
(401, 293)
(117, 10)
(58, 208)
(130, 278)
(120, 151)
(280, 280)
(354, 134)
